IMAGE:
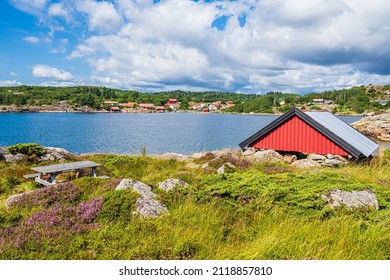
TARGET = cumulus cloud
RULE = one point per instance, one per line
(9, 83)
(47, 72)
(248, 46)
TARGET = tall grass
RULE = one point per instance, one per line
(257, 212)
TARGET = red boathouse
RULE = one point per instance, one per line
(311, 132)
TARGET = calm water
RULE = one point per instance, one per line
(184, 133)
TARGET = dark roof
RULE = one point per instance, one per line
(342, 134)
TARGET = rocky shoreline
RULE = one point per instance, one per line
(375, 126)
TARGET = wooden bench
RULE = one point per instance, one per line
(31, 176)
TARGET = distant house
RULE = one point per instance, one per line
(318, 101)
(172, 103)
(114, 109)
(213, 107)
(229, 104)
(174, 107)
(146, 106)
(129, 104)
(110, 103)
(159, 109)
(197, 107)
(311, 132)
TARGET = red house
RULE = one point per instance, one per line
(311, 132)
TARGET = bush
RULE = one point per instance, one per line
(118, 205)
(28, 149)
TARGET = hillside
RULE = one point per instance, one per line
(356, 100)
(256, 211)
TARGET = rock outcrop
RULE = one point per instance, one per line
(146, 205)
(375, 126)
(305, 163)
(171, 184)
(51, 155)
(328, 160)
(354, 199)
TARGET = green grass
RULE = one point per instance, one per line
(254, 212)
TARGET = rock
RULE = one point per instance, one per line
(375, 126)
(192, 165)
(221, 170)
(289, 158)
(10, 158)
(332, 162)
(316, 157)
(227, 153)
(170, 184)
(305, 163)
(206, 165)
(249, 152)
(266, 156)
(15, 198)
(354, 199)
(146, 205)
(139, 187)
(55, 154)
(150, 208)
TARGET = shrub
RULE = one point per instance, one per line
(28, 149)
(118, 205)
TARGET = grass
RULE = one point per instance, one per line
(253, 212)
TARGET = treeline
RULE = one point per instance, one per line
(355, 99)
(93, 96)
(352, 100)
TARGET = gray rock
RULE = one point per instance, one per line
(289, 158)
(146, 205)
(316, 157)
(150, 208)
(305, 163)
(266, 156)
(10, 158)
(221, 170)
(139, 187)
(354, 199)
(170, 184)
(332, 162)
(249, 152)
(206, 165)
(54, 154)
(15, 198)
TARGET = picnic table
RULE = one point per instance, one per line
(55, 169)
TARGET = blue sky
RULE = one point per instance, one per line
(250, 46)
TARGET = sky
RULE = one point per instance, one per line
(249, 46)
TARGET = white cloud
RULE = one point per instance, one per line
(9, 83)
(30, 6)
(13, 74)
(299, 45)
(31, 39)
(58, 10)
(102, 16)
(47, 72)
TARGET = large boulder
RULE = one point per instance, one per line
(266, 156)
(171, 184)
(305, 163)
(146, 205)
(317, 157)
(289, 158)
(354, 199)
(10, 158)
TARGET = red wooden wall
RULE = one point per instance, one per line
(296, 136)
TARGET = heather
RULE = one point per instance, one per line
(256, 211)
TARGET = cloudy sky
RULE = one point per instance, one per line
(250, 46)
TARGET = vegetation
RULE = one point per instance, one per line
(252, 212)
(29, 149)
(345, 101)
